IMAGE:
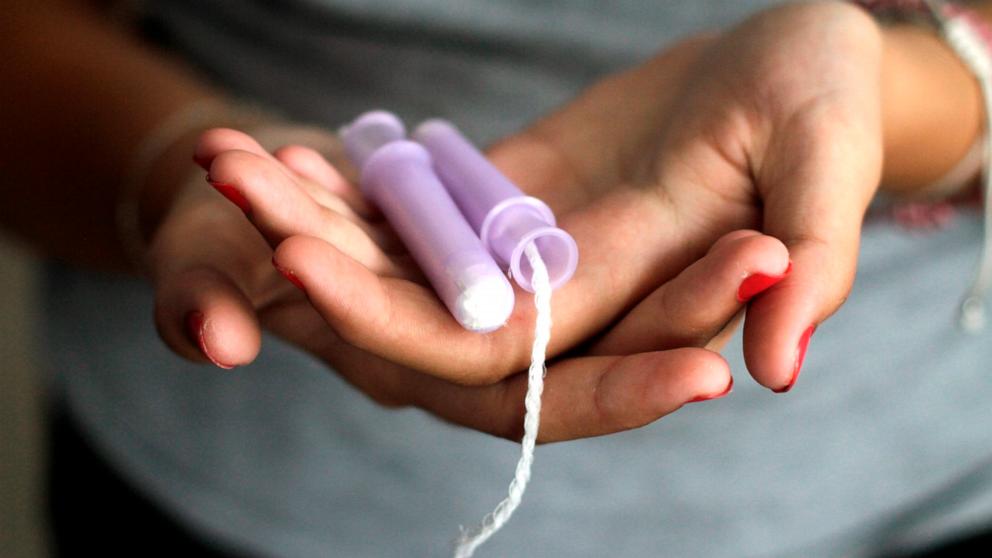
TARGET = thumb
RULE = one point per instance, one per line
(816, 190)
(204, 267)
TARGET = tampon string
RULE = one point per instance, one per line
(458, 216)
(494, 521)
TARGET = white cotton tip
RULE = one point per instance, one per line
(485, 304)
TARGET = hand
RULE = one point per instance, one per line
(774, 125)
(666, 176)
(210, 262)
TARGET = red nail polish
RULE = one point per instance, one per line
(232, 194)
(201, 161)
(800, 356)
(759, 282)
(194, 330)
(288, 274)
(730, 388)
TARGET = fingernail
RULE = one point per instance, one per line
(232, 194)
(194, 330)
(800, 356)
(759, 282)
(288, 274)
(201, 161)
(730, 388)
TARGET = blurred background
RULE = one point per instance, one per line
(22, 530)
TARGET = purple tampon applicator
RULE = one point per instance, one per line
(505, 218)
(398, 176)
(521, 233)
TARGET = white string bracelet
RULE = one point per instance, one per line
(471, 540)
(970, 37)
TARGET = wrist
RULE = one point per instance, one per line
(167, 178)
(931, 109)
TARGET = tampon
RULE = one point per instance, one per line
(397, 175)
(505, 218)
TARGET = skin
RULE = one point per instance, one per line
(723, 151)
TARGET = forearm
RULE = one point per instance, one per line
(931, 106)
(78, 97)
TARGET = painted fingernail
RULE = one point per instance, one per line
(288, 274)
(194, 330)
(800, 356)
(232, 194)
(201, 161)
(730, 387)
(759, 282)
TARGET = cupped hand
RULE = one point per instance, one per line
(216, 288)
(657, 172)
(774, 126)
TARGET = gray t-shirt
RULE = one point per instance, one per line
(883, 444)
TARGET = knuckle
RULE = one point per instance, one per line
(680, 325)
(610, 417)
(334, 223)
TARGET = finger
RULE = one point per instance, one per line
(332, 190)
(278, 209)
(594, 396)
(691, 309)
(320, 193)
(309, 163)
(215, 141)
(583, 397)
(203, 290)
(202, 314)
(396, 319)
(815, 203)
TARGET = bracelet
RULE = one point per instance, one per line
(970, 37)
(200, 114)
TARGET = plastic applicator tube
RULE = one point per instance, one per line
(506, 219)
(398, 176)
